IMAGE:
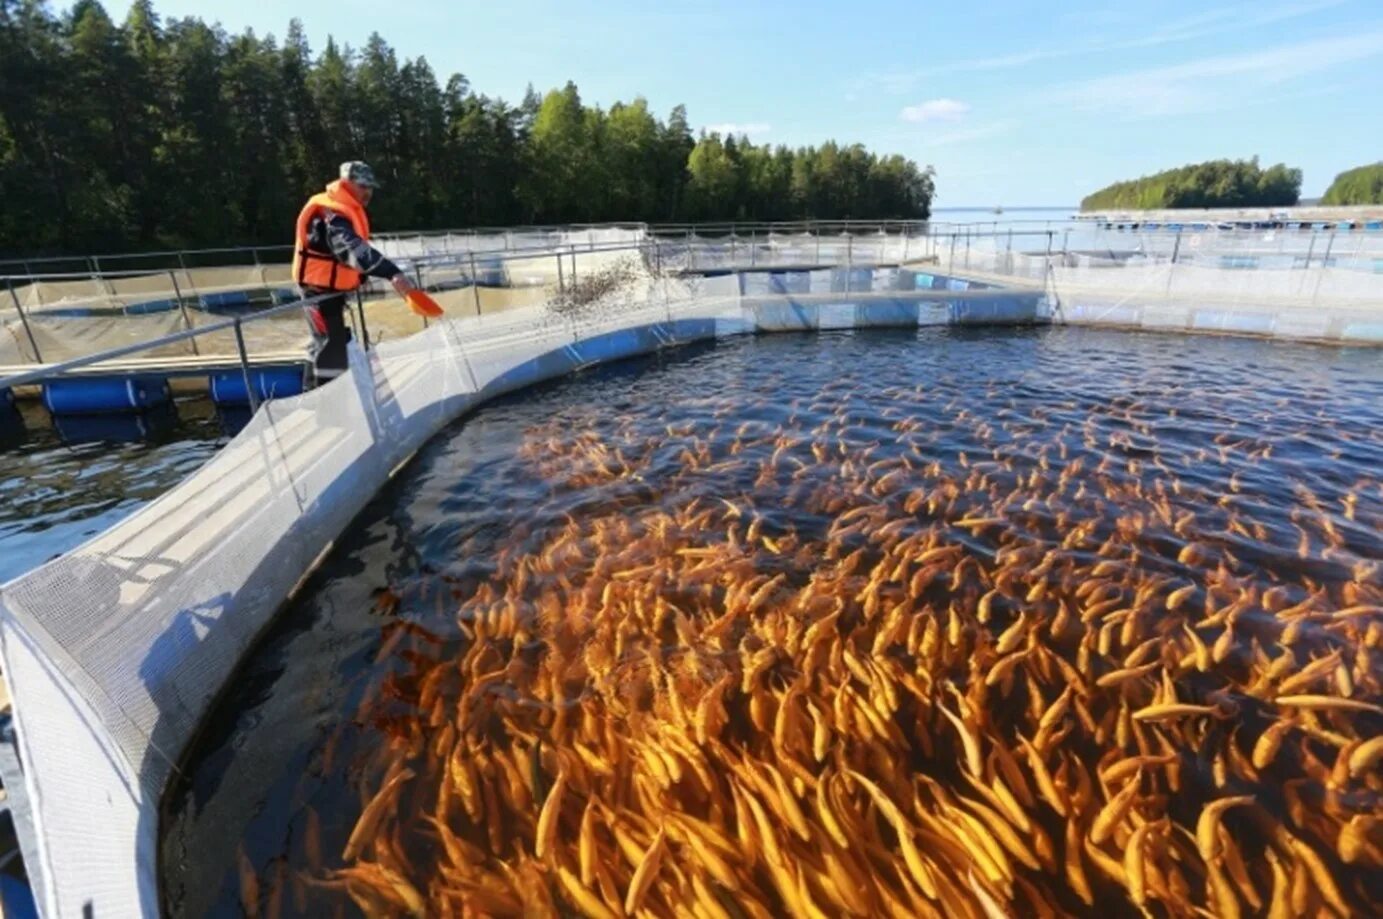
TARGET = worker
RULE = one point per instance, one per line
(332, 253)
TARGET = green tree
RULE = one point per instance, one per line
(1217, 183)
(713, 180)
(156, 133)
(1361, 185)
(632, 155)
(560, 149)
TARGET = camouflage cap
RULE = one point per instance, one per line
(358, 173)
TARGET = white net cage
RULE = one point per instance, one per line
(115, 652)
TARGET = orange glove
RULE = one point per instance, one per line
(423, 305)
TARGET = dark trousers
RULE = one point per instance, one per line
(330, 333)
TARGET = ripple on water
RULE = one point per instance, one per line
(57, 493)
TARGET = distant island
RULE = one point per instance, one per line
(1361, 185)
(1217, 183)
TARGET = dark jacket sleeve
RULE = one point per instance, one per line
(353, 252)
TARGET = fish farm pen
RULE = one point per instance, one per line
(736, 570)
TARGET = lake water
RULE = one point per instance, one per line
(63, 482)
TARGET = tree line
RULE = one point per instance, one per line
(146, 134)
(1217, 183)
(1360, 185)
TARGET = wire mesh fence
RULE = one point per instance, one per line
(49, 315)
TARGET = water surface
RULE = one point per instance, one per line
(64, 482)
(1194, 480)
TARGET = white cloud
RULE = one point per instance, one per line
(1212, 83)
(935, 110)
(1226, 19)
(1205, 24)
(747, 129)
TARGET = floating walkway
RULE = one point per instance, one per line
(140, 383)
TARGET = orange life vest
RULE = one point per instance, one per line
(312, 268)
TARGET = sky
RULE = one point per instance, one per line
(1013, 103)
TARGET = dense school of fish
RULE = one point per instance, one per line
(795, 668)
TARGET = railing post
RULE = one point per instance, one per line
(691, 253)
(250, 393)
(753, 246)
(951, 258)
(475, 283)
(1310, 248)
(561, 275)
(849, 259)
(186, 319)
(732, 245)
(1329, 244)
(360, 311)
(1176, 248)
(29, 332)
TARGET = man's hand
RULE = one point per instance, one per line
(400, 282)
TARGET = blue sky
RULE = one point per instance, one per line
(1014, 103)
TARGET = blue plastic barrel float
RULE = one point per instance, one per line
(16, 898)
(129, 427)
(149, 307)
(228, 386)
(100, 395)
(227, 301)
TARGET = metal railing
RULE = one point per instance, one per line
(236, 324)
(701, 247)
(99, 265)
(657, 253)
(185, 258)
(106, 265)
